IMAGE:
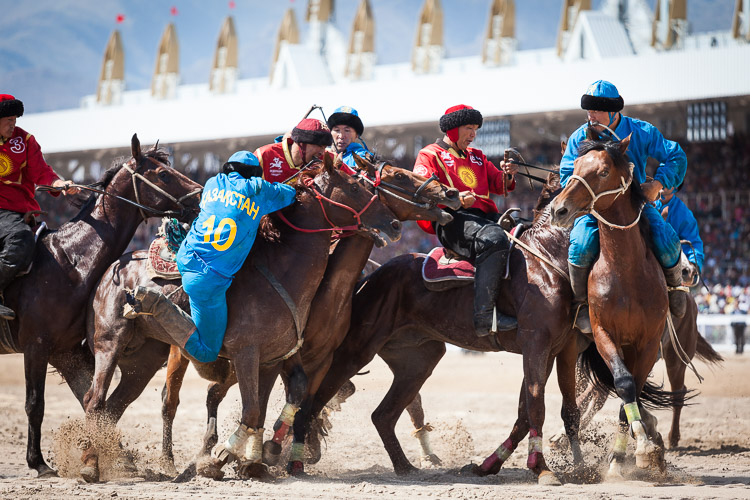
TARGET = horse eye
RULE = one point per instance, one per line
(355, 188)
(604, 173)
(400, 176)
(163, 176)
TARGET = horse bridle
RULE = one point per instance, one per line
(378, 185)
(617, 192)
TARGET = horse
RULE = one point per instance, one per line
(396, 317)
(268, 301)
(677, 353)
(627, 293)
(51, 300)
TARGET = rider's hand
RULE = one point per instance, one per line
(508, 167)
(651, 190)
(66, 186)
(467, 199)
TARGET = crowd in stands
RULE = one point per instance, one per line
(716, 189)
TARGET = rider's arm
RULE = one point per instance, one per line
(571, 153)
(671, 157)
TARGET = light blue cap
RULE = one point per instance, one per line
(244, 157)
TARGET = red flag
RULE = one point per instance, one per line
(232, 5)
(173, 11)
(120, 18)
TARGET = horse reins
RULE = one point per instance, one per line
(378, 182)
(141, 207)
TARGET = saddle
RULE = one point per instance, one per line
(162, 252)
(443, 269)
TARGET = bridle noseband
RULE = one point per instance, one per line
(617, 192)
(177, 201)
(378, 185)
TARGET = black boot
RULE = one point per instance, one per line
(579, 282)
(490, 269)
(175, 322)
(677, 299)
(7, 274)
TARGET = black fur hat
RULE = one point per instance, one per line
(10, 106)
(344, 115)
(456, 116)
(312, 131)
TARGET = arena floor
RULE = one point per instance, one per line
(471, 402)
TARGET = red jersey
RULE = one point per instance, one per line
(277, 163)
(22, 168)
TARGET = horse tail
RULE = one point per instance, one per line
(652, 396)
(706, 353)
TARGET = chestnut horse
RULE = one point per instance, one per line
(627, 293)
(396, 317)
(330, 310)
(51, 300)
(266, 320)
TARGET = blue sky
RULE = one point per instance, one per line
(51, 50)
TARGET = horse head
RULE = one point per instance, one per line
(601, 174)
(347, 205)
(157, 188)
(408, 195)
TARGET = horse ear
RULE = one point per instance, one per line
(563, 145)
(592, 134)
(135, 147)
(364, 165)
(625, 143)
(328, 162)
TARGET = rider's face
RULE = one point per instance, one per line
(599, 117)
(466, 135)
(343, 135)
(312, 151)
(7, 125)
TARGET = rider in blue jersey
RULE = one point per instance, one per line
(346, 129)
(681, 218)
(214, 249)
(603, 104)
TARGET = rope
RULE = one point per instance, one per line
(681, 354)
(538, 255)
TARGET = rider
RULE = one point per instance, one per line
(346, 129)
(474, 233)
(22, 168)
(603, 104)
(679, 216)
(213, 251)
(281, 160)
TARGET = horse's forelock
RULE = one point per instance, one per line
(621, 162)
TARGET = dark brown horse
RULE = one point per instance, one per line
(261, 330)
(51, 300)
(408, 195)
(627, 292)
(396, 317)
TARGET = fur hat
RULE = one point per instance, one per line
(602, 96)
(312, 131)
(461, 114)
(344, 115)
(10, 106)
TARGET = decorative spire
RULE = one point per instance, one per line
(741, 20)
(670, 24)
(167, 71)
(224, 69)
(288, 34)
(571, 9)
(428, 47)
(112, 76)
(361, 54)
(500, 42)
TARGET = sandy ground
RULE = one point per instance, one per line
(471, 403)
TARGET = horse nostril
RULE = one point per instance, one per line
(451, 193)
(561, 212)
(396, 225)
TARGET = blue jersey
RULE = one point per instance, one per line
(231, 208)
(352, 149)
(645, 142)
(683, 221)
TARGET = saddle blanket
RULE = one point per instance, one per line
(440, 272)
(161, 261)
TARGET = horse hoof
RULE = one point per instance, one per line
(559, 442)
(46, 472)
(430, 461)
(548, 478)
(473, 470)
(254, 470)
(296, 468)
(271, 452)
(614, 474)
(90, 474)
(186, 475)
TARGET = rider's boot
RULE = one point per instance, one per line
(7, 274)
(175, 322)
(579, 282)
(677, 292)
(489, 270)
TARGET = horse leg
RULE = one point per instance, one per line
(411, 368)
(77, 368)
(170, 399)
(215, 394)
(296, 390)
(427, 459)
(495, 461)
(570, 413)
(35, 370)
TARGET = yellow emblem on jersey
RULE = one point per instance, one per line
(468, 177)
(6, 165)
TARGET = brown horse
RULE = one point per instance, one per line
(51, 300)
(325, 196)
(627, 292)
(408, 195)
(396, 317)
(677, 357)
